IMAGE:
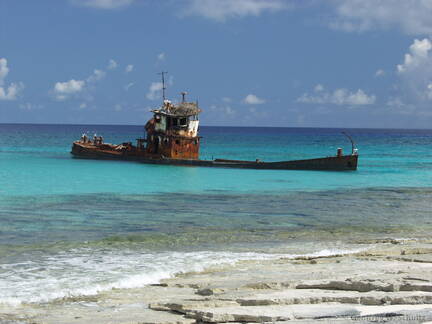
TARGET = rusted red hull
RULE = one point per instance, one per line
(106, 152)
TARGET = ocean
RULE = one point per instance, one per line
(72, 227)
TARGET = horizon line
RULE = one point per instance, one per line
(135, 125)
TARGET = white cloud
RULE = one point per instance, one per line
(429, 91)
(418, 56)
(411, 16)
(118, 107)
(128, 86)
(129, 68)
(4, 70)
(395, 102)
(415, 72)
(338, 97)
(103, 4)
(225, 110)
(83, 105)
(71, 86)
(63, 90)
(67, 89)
(96, 76)
(319, 88)
(379, 73)
(12, 91)
(161, 56)
(252, 99)
(221, 10)
(154, 90)
(112, 64)
(226, 99)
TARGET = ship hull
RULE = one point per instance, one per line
(107, 152)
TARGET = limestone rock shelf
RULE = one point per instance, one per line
(389, 282)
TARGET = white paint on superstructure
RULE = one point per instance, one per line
(161, 125)
(193, 128)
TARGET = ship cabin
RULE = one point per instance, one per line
(173, 131)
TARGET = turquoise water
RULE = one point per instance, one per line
(72, 227)
(35, 160)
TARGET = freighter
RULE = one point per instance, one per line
(172, 138)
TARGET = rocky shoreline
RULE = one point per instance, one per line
(390, 282)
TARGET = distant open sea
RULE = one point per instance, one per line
(73, 227)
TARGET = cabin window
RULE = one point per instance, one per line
(175, 122)
(183, 122)
(158, 118)
(177, 142)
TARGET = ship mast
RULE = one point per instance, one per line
(163, 84)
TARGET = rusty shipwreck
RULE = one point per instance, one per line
(172, 138)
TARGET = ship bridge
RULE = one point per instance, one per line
(181, 119)
(173, 130)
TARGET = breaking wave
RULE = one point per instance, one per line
(81, 272)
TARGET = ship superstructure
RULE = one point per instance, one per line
(173, 130)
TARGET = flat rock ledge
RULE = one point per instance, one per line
(392, 283)
(293, 304)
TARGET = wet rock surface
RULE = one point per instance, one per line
(391, 283)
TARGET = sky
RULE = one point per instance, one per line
(281, 63)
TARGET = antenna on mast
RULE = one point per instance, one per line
(163, 84)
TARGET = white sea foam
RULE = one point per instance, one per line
(87, 272)
(330, 252)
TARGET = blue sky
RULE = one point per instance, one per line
(329, 63)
